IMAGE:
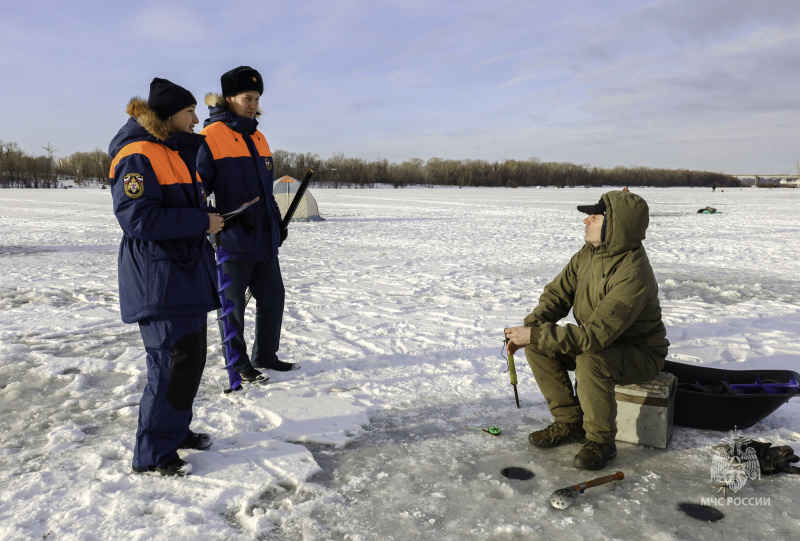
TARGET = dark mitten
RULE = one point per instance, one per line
(284, 234)
(230, 223)
(774, 459)
(243, 220)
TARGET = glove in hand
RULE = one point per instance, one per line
(243, 220)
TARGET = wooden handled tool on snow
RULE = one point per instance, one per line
(563, 497)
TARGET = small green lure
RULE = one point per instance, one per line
(493, 430)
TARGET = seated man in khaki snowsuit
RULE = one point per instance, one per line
(619, 337)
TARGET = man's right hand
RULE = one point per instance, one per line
(518, 338)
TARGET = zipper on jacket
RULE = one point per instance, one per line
(583, 284)
(251, 147)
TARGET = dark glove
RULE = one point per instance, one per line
(774, 459)
(284, 234)
(243, 220)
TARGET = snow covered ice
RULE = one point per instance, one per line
(395, 310)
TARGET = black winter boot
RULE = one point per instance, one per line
(251, 375)
(281, 366)
(176, 467)
(196, 440)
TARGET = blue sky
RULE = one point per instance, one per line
(701, 84)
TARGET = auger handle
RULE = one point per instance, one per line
(297, 197)
(617, 476)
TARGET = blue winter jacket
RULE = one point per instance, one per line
(235, 164)
(165, 263)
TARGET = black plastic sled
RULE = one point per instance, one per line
(719, 399)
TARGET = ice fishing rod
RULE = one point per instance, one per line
(512, 371)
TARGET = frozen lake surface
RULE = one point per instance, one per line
(395, 310)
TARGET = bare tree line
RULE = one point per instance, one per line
(343, 172)
(19, 169)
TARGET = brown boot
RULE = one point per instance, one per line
(594, 456)
(557, 433)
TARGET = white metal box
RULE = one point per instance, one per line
(645, 411)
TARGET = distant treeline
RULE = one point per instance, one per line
(21, 170)
(342, 172)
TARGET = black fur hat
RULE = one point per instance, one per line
(166, 98)
(240, 80)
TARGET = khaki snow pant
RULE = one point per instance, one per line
(596, 374)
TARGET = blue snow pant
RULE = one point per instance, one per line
(176, 356)
(266, 284)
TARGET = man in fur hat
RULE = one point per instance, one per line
(235, 163)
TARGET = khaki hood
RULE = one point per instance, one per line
(627, 218)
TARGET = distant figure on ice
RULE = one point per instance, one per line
(235, 163)
(167, 275)
(619, 337)
(707, 210)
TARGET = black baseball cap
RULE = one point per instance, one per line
(599, 208)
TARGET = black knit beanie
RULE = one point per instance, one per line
(240, 80)
(167, 98)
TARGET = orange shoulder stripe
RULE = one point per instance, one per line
(226, 143)
(261, 144)
(166, 163)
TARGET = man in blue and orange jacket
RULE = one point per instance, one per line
(167, 276)
(235, 163)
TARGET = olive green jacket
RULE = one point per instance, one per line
(610, 289)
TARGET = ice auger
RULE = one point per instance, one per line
(228, 330)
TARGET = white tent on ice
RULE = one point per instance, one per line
(285, 189)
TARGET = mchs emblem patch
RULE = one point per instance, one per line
(268, 162)
(133, 185)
